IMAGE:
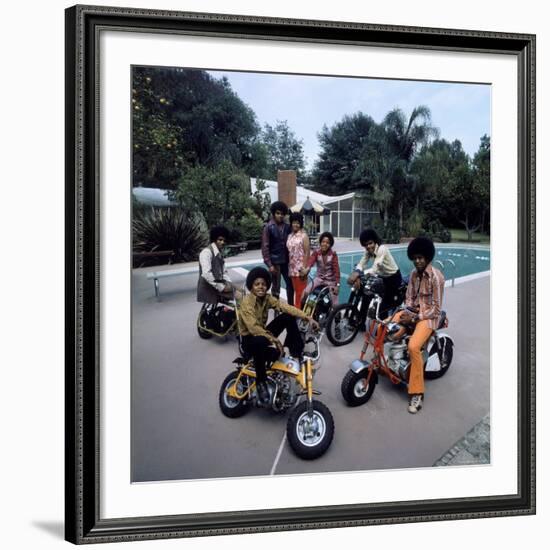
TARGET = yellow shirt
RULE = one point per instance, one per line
(253, 314)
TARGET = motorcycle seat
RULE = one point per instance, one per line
(272, 355)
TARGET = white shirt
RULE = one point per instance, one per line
(205, 261)
(384, 265)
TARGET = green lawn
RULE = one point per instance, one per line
(461, 236)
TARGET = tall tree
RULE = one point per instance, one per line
(377, 171)
(183, 118)
(432, 172)
(283, 149)
(468, 187)
(336, 169)
(405, 136)
(482, 178)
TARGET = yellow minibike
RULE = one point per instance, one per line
(310, 426)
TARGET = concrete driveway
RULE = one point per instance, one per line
(178, 431)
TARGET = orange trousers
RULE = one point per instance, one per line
(422, 331)
(299, 286)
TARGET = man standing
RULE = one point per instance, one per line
(274, 250)
(423, 306)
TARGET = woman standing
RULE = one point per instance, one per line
(298, 256)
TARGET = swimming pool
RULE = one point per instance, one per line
(467, 260)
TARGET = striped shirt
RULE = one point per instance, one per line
(425, 294)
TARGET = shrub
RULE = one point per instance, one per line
(250, 226)
(414, 223)
(169, 229)
(437, 232)
(389, 233)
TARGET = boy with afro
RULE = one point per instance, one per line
(258, 337)
(274, 250)
(383, 265)
(214, 282)
(423, 307)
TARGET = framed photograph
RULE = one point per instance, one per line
(300, 274)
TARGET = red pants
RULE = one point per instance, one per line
(422, 331)
(299, 285)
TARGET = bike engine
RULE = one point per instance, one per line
(286, 392)
(323, 308)
(398, 358)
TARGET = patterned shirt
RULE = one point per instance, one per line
(425, 294)
(383, 265)
(328, 268)
(296, 252)
(253, 314)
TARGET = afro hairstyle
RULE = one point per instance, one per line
(258, 273)
(328, 235)
(369, 235)
(422, 246)
(296, 217)
(279, 205)
(219, 231)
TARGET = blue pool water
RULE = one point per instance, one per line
(467, 261)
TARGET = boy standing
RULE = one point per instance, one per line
(274, 250)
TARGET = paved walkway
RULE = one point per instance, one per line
(178, 431)
(340, 245)
(473, 448)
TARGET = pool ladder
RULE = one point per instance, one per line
(439, 262)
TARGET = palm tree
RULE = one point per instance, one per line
(376, 167)
(405, 137)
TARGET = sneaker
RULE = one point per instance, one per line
(415, 403)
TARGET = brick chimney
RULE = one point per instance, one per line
(286, 185)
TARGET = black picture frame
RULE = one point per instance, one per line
(83, 386)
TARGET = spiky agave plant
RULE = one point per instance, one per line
(169, 229)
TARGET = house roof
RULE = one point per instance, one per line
(159, 197)
(301, 193)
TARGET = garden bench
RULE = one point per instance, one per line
(232, 249)
(156, 275)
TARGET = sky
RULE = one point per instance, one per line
(460, 111)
